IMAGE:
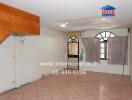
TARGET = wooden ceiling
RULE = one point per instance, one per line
(18, 21)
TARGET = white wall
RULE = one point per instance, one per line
(130, 55)
(7, 72)
(103, 66)
(49, 46)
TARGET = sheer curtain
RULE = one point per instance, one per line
(118, 50)
(92, 46)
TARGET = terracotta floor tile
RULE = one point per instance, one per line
(92, 86)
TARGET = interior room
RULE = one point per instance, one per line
(65, 50)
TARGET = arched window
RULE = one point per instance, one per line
(104, 36)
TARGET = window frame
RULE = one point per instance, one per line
(105, 43)
(105, 51)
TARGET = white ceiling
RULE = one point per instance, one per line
(80, 14)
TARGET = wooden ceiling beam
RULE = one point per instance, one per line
(18, 21)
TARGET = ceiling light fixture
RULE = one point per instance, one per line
(108, 20)
(67, 23)
(103, 19)
(64, 25)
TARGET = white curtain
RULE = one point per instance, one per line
(118, 50)
(92, 46)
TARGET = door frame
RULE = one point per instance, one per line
(72, 56)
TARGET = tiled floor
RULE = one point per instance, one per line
(92, 86)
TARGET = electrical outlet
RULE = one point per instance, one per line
(13, 82)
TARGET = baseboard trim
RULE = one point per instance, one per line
(7, 91)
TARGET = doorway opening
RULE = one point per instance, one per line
(73, 53)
